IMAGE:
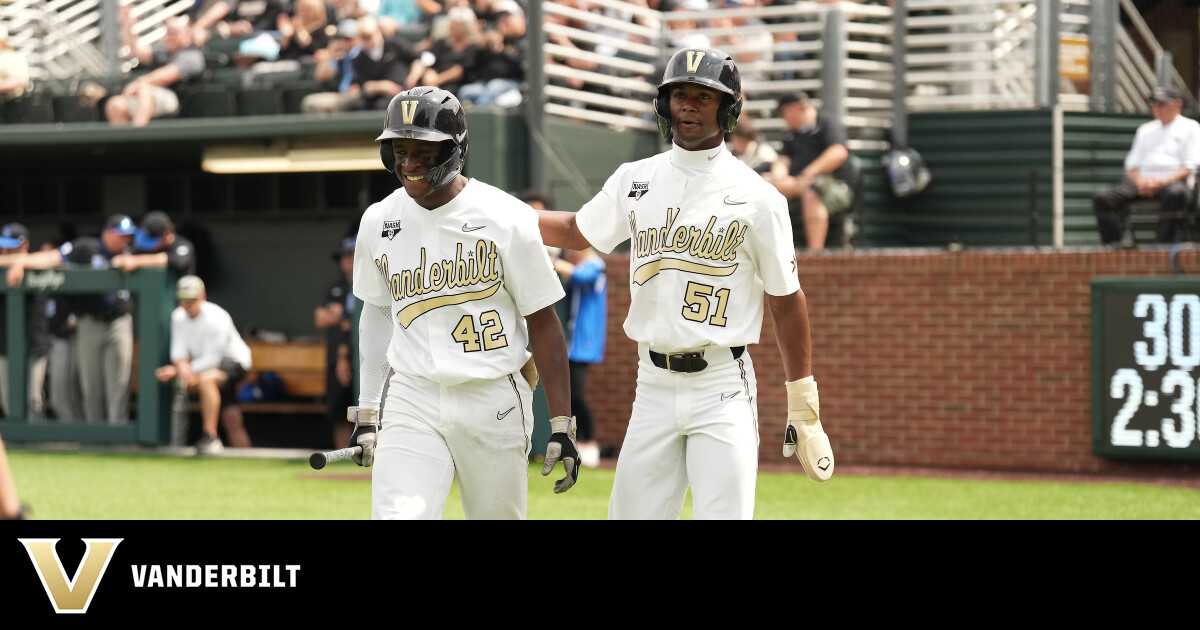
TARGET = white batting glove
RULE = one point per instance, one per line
(804, 437)
(562, 446)
(366, 429)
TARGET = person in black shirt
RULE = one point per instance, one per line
(104, 321)
(499, 68)
(335, 316)
(383, 68)
(813, 170)
(14, 238)
(157, 245)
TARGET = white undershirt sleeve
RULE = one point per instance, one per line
(374, 336)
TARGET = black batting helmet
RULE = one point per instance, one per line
(704, 66)
(430, 114)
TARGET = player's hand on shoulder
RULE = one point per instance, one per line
(562, 446)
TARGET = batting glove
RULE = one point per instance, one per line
(804, 436)
(562, 447)
(366, 429)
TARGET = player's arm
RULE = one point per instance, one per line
(550, 354)
(790, 316)
(133, 262)
(804, 437)
(559, 229)
(19, 262)
(374, 337)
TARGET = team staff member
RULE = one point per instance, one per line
(14, 238)
(334, 315)
(456, 285)
(157, 245)
(208, 354)
(707, 235)
(105, 321)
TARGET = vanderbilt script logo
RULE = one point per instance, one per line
(74, 595)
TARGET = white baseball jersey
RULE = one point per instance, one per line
(460, 280)
(207, 339)
(707, 236)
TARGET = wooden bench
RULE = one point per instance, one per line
(301, 366)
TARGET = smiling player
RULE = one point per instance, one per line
(707, 237)
(456, 285)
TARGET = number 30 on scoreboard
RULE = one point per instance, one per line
(1145, 360)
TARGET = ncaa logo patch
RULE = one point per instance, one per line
(389, 229)
(638, 189)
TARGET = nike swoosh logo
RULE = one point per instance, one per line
(731, 202)
(729, 395)
(714, 156)
(467, 228)
(500, 416)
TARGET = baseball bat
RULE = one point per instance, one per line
(320, 458)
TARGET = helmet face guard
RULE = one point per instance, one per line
(432, 115)
(710, 68)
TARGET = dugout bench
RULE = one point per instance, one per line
(300, 366)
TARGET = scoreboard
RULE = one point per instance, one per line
(1146, 368)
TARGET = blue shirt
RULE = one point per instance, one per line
(587, 319)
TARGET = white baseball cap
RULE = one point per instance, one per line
(189, 288)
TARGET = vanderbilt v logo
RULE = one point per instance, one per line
(72, 596)
(408, 110)
(693, 60)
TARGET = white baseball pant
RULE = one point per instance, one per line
(699, 429)
(479, 431)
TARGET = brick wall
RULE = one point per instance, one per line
(975, 359)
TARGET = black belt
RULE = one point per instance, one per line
(687, 362)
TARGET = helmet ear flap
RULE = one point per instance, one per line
(663, 109)
(730, 112)
(387, 155)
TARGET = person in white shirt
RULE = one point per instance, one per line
(1161, 165)
(708, 237)
(208, 354)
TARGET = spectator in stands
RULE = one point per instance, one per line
(499, 67)
(334, 66)
(176, 67)
(335, 316)
(204, 15)
(208, 354)
(682, 33)
(403, 18)
(451, 59)
(308, 29)
(745, 145)
(813, 169)
(14, 70)
(1161, 165)
(14, 238)
(157, 246)
(104, 322)
(570, 63)
(751, 38)
(586, 283)
(383, 68)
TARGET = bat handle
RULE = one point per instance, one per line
(319, 459)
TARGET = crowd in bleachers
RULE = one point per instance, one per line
(258, 57)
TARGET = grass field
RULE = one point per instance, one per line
(102, 486)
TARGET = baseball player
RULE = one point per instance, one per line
(455, 284)
(707, 237)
